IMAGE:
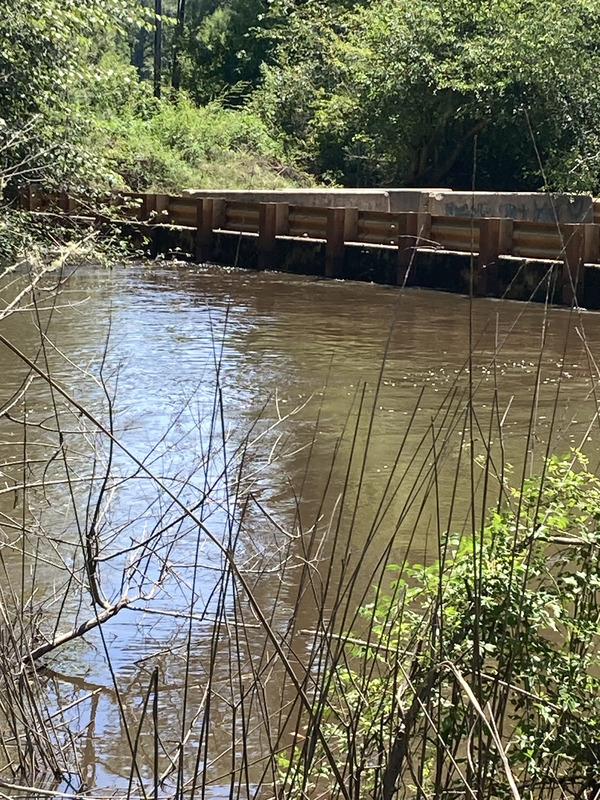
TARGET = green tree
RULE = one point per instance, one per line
(57, 58)
(395, 92)
(219, 47)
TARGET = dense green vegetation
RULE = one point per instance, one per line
(426, 93)
(502, 94)
(76, 112)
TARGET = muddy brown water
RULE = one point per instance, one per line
(325, 386)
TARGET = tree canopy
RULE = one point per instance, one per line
(496, 94)
(417, 92)
(58, 58)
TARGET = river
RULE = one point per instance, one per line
(315, 429)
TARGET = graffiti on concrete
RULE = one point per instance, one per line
(467, 210)
(539, 208)
(513, 211)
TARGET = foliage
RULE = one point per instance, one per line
(169, 146)
(403, 93)
(491, 650)
(224, 47)
(52, 62)
(51, 49)
(504, 93)
(75, 115)
(212, 49)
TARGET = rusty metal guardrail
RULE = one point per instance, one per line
(485, 238)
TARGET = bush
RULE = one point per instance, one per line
(170, 146)
(480, 672)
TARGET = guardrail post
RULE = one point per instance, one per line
(148, 207)
(591, 243)
(204, 230)
(506, 236)
(572, 272)
(351, 225)
(495, 238)
(161, 207)
(267, 235)
(219, 214)
(335, 247)
(486, 268)
(408, 229)
(424, 230)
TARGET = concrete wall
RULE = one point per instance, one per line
(532, 206)
(366, 199)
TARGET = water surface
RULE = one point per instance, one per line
(263, 401)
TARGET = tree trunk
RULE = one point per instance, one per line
(177, 41)
(157, 47)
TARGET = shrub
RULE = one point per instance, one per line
(478, 675)
(177, 145)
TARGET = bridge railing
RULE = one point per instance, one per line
(485, 238)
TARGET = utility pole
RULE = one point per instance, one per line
(177, 40)
(157, 47)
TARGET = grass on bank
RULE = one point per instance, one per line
(171, 145)
(182, 146)
(135, 142)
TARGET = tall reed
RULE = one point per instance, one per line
(326, 664)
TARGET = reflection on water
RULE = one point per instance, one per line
(261, 402)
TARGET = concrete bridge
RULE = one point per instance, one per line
(522, 246)
(530, 206)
